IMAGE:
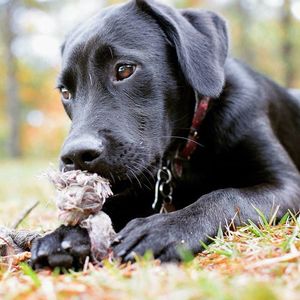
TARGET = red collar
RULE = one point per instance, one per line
(192, 143)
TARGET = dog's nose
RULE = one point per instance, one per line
(81, 153)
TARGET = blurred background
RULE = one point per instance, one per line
(264, 33)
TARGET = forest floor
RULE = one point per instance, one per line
(249, 263)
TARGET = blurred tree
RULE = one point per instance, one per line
(12, 86)
(245, 20)
(263, 34)
(287, 43)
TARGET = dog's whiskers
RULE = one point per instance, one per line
(182, 118)
(112, 177)
(137, 179)
(186, 139)
(179, 138)
(144, 184)
(129, 178)
(146, 170)
(91, 79)
(135, 167)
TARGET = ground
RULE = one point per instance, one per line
(246, 264)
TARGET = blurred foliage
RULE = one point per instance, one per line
(257, 36)
(37, 94)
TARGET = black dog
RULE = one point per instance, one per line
(131, 79)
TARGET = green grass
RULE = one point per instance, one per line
(254, 262)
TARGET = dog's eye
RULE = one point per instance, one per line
(125, 71)
(65, 94)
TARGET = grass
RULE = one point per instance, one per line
(253, 262)
(21, 184)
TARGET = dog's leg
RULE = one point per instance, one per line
(279, 185)
(163, 234)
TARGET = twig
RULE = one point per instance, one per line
(86, 264)
(4, 251)
(6, 242)
(272, 261)
(24, 214)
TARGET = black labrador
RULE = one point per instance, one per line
(151, 91)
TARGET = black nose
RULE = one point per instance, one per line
(81, 153)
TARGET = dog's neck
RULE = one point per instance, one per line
(185, 153)
(174, 165)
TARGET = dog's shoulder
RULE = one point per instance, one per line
(252, 105)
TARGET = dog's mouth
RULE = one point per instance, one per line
(124, 177)
(120, 187)
(121, 183)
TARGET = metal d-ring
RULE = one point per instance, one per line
(167, 171)
(163, 187)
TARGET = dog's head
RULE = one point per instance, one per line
(127, 83)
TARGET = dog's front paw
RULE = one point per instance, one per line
(66, 247)
(161, 234)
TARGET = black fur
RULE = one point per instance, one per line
(250, 151)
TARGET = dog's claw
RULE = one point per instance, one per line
(141, 235)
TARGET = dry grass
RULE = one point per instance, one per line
(250, 263)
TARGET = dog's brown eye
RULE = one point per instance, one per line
(125, 71)
(65, 94)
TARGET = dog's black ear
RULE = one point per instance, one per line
(201, 43)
